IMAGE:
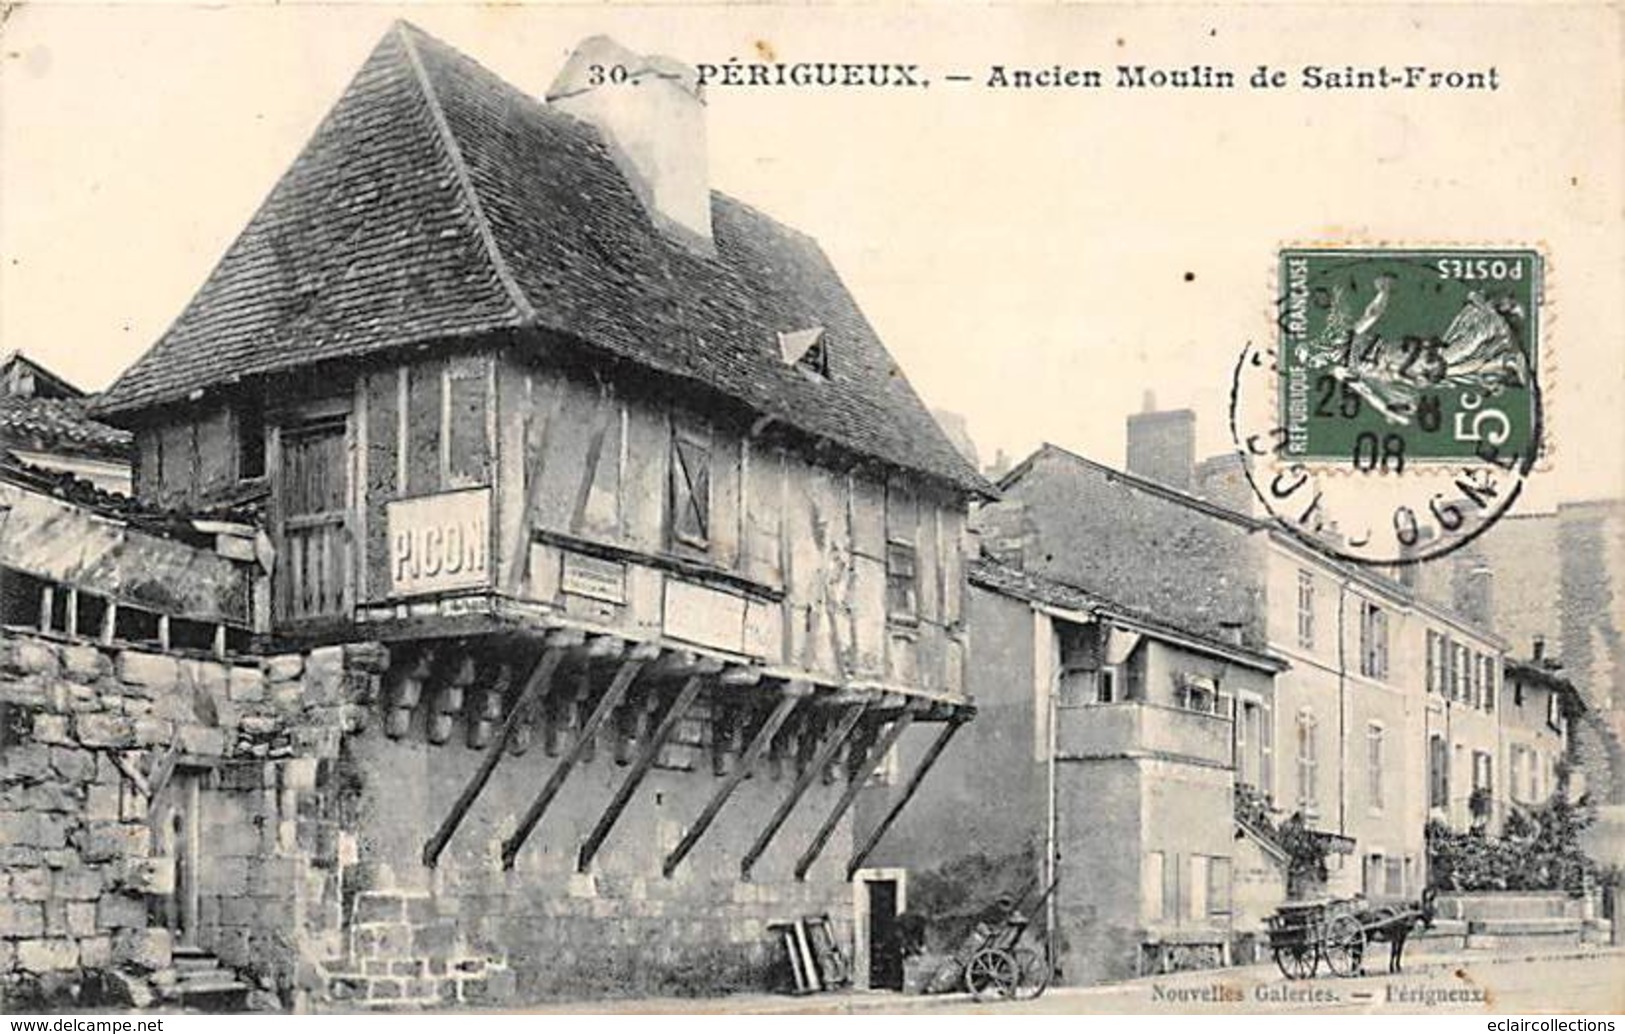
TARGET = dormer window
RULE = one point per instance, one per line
(806, 350)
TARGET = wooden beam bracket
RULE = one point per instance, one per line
(611, 698)
(535, 685)
(826, 754)
(855, 784)
(932, 752)
(792, 695)
(640, 768)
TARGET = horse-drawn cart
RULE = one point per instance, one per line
(1303, 934)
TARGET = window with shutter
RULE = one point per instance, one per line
(902, 582)
(1307, 763)
(1151, 886)
(1433, 662)
(1374, 766)
(691, 490)
(1438, 773)
(1200, 872)
(1306, 610)
(1218, 886)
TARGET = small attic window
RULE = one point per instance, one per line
(805, 349)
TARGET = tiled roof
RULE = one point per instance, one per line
(437, 202)
(61, 426)
(1012, 581)
(134, 512)
(22, 376)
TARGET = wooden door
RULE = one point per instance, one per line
(176, 828)
(313, 555)
(885, 938)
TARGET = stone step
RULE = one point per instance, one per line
(218, 985)
(1542, 926)
(1511, 943)
(213, 974)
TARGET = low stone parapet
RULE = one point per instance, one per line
(1507, 905)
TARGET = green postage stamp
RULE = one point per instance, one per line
(1394, 357)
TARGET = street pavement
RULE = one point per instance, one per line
(1589, 981)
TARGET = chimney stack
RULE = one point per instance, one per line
(1162, 445)
(1475, 590)
(651, 113)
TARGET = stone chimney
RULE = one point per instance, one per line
(651, 112)
(1222, 480)
(1475, 590)
(1162, 444)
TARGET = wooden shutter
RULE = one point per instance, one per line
(313, 557)
(1218, 886)
(691, 489)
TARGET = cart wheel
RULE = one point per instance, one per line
(1033, 971)
(1297, 961)
(1344, 946)
(991, 974)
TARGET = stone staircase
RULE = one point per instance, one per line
(201, 981)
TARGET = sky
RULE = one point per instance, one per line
(1036, 260)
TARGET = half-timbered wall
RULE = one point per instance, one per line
(480, 472)
(645, 516)
(188, 461)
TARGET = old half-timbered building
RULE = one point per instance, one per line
(665, 552)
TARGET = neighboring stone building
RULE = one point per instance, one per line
(1539, 707)
(1559, 578)
(634, 496)
(1110, 743)
(1359, 745)
(44, 422)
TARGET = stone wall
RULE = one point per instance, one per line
(312, 811)
(470, 931)
(91, 735)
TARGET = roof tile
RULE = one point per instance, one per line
(394, 227)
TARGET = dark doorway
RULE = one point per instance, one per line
(885, 940)
(177, 834)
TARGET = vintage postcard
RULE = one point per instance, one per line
(1035, 508)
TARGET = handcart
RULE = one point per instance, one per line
(999, 963)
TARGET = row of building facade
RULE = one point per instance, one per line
(540, 581)
(1174, 678)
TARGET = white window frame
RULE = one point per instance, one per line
(1308, 762)
(1375, 766)
(1306, 609)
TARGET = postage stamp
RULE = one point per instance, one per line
(1391, 357)
(1397, 412)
